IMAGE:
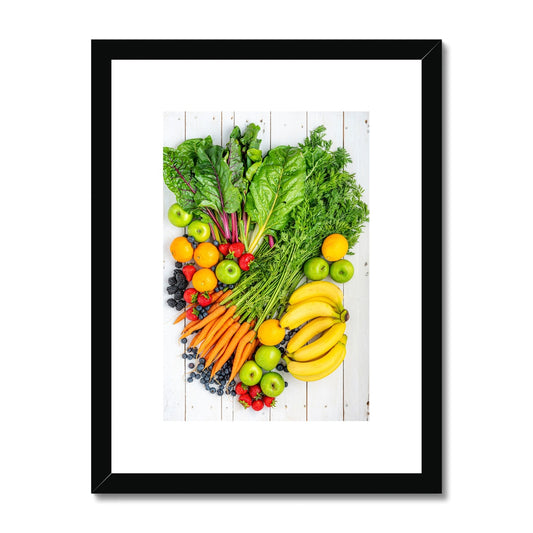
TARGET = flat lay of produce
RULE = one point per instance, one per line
(266, 239)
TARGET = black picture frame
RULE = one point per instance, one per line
(429, 52)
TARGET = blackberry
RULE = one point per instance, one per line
(182, 285)
(171, 302)
(177, 264)
(178, 295)
(172, 281)
(171, 289)
(180, 304)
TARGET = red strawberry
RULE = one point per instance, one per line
(223, 248)
(245, 400)
(192, 314)
(245, 260)
(188, 271)
(190, 296)
(204, 299)
(236, 249)
(240, 388)
(269, 401)
(255, 392)
(257, 405)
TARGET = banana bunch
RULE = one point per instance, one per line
(318, 305)
(319, 368)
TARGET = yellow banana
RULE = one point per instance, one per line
(323, 344)
(310, 330)
(318, 289)
(318, 299)
(320, 368)
(305, 311)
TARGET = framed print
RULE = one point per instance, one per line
(266, 266)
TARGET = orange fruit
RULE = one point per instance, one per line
(334, 247)
(270, 332)
(206, 255)
(181, 249)
(204, 280)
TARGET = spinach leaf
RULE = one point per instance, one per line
(275, 190)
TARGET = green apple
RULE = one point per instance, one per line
(341, 271)
(272, 384)
(178, 216)
(267, 357)
(316, 268)
(228, 271)
(250, 373)
(199, 230)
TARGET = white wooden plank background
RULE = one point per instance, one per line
(344, 394)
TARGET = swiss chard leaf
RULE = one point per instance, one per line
(276, 189)
(178, 166)
(213, 178)
(235, 164)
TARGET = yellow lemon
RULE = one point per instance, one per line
(334, 247)
(270, 332)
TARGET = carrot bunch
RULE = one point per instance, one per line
(221, 335)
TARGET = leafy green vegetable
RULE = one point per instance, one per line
(275, 190)
(332, 203)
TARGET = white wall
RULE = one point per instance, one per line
(45, 289)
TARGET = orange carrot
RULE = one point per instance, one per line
(219, 313)
(211, 352)
(199, 324)
(202, 334)
(214, 334)
(222, 343)
(247, 338)
(239, 334)
(218, 294)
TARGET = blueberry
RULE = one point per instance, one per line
(232, 286)
(189, 349)
(201, 360)
(212, 390)
(200, 367)
(279, 367)
(220, 392)
(213, 268)
(184, 341)
(171, 289)
(185, 235)
(184, 355)
(191, 365)
(233, 393)
(232, 383)
(206, 386)
(189, 379)
(286, 384)
(190, 356)
(171, 302)
(285, 369)
(215, 243)
(228, 391)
